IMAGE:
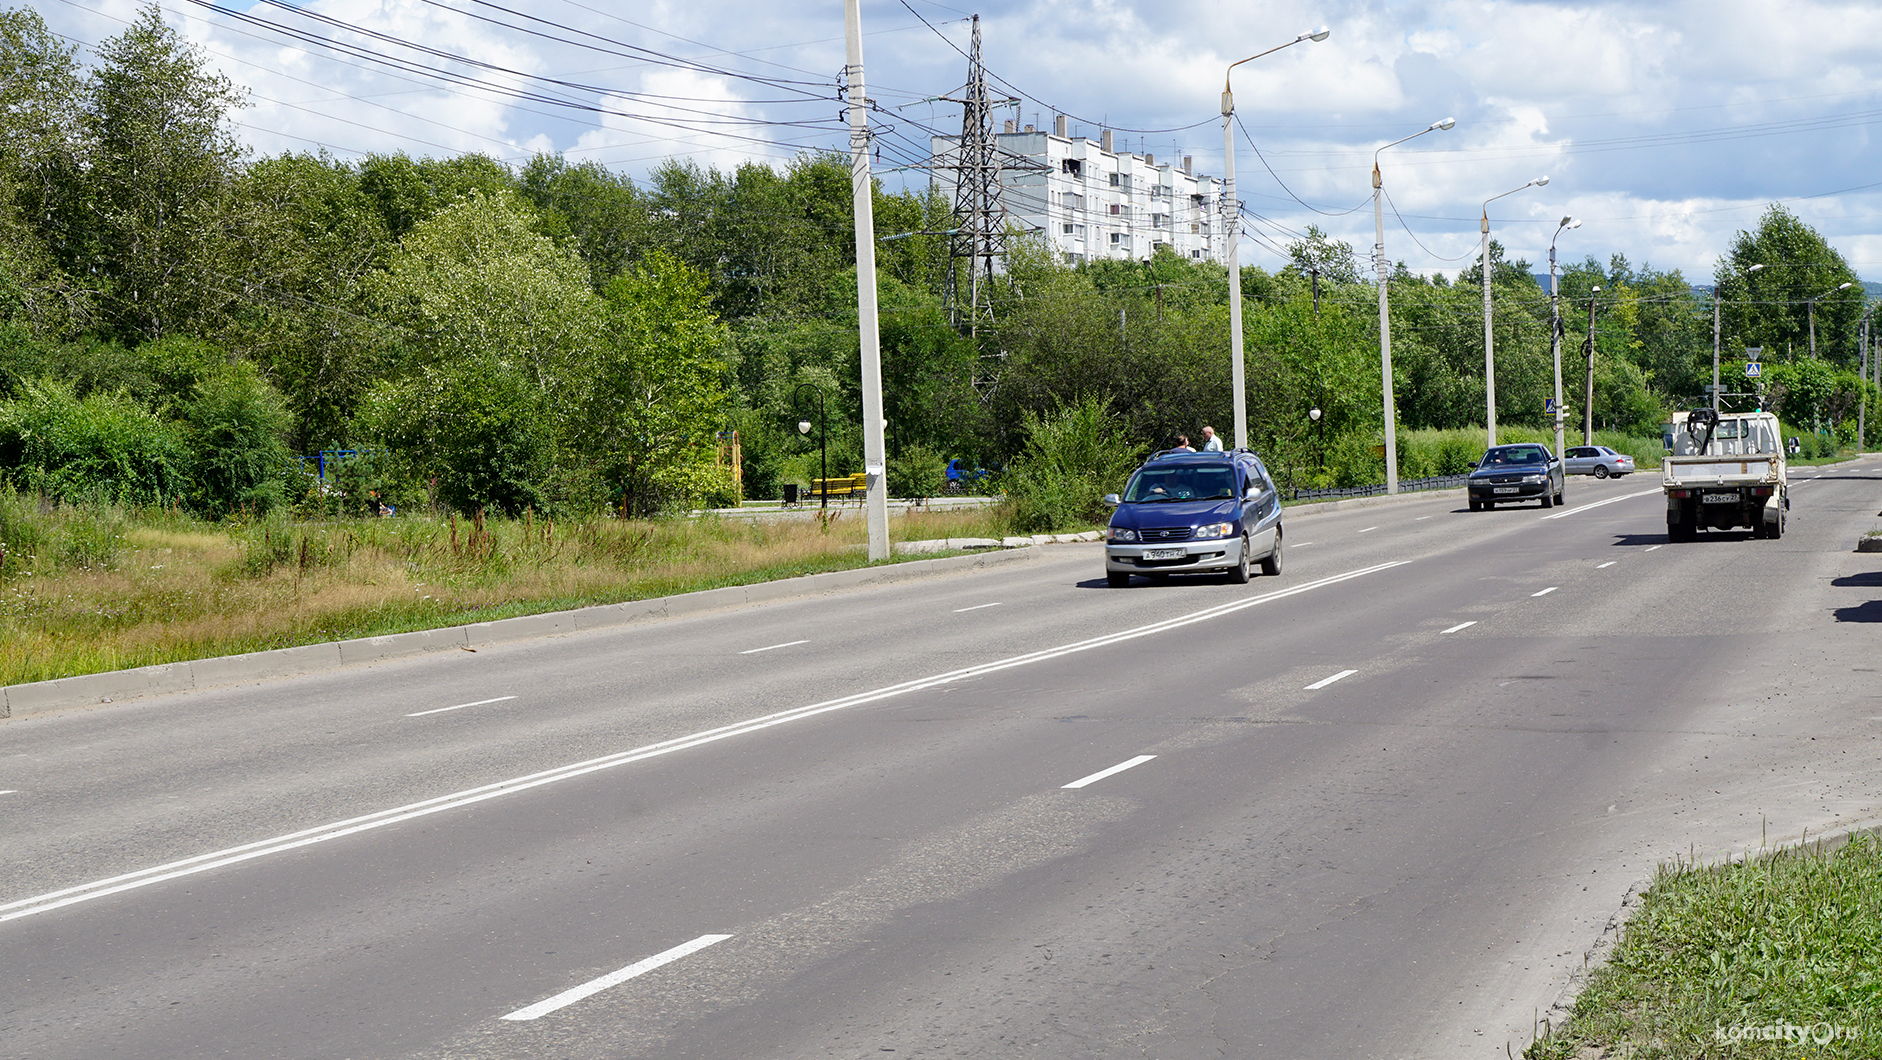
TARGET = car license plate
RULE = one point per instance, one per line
(1163, 553)
(1721, 498)
(1504, 489)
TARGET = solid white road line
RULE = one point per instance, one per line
(10, 791)
(1102, 773)
(976, 607)
(1597, 504)
(769, 647)
(1421, 519)
(321, 833)
(1650, 548)
(1547, 591)
(1368, 529)
(1603, 566)
(461, 706)
(596, 986)
(1325, 681)
(1460, 625)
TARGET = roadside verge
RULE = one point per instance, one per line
(112, 686)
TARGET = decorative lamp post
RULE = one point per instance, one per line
(1320, 440)
(1555, 329)
(823, 439)
(1231, 227)
(1385, 322)
(1489, 343)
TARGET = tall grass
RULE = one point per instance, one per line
(90, 588)
(1720, 961)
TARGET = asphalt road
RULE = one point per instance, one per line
(1377, 806)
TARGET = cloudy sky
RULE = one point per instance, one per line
(1665, 125)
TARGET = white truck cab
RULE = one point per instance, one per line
(1723, 471)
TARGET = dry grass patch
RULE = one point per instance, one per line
(82, 591)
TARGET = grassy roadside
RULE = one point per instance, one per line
(86, 589)
(1780, 956)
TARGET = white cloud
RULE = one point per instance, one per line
(1669, 125)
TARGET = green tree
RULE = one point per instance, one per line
(500, 319)
(653, 397)
(309, 243)
(236, 426)
(1770, 307)
(39, 152)
(161, 157)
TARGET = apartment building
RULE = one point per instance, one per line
(1093, 202)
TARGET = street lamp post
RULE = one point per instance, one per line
(1812, 308)
(1715, 329)
(1862, 389)
(823, 439)
(1231, 225)
(1555, 329)
(1320, 442)
(1385, 321)
(1489, 343)
(1587, 404)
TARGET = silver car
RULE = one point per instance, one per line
(1596, 460)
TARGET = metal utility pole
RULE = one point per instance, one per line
(980, 221)
(862, 188)
(1862, 393)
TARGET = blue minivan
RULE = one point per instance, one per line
(1188, 513)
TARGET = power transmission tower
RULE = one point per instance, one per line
(980, 221)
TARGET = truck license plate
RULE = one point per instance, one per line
(1505, 489)
(1163, 553)
(1721, 498)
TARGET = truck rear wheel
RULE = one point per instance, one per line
(1775, 530)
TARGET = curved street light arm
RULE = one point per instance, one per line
(1228, 99)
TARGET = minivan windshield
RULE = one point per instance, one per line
(1153, 485)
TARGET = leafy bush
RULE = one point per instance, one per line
(103, 447)
(236, 425)
(1072, 459)
(917, 474)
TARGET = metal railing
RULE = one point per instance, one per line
(1413, 485)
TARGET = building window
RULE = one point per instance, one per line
(1195, 253)
(1066, 228)
(1195, 228)
(1121, 180)
(1078, 231)
(1160, 220)
(1073, 166)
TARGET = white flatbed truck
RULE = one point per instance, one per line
(1724, 471)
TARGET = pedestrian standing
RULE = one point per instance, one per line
(1182, 445)
(1210, 443)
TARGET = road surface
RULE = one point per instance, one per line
(1377, 806)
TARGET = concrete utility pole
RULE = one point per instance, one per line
(1715, 327)
(1489, 339)
(1385, 318)
(863, 188)
(1555, 330)
(1587, 409)
(1231, 230)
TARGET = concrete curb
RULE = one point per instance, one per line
(44, 696)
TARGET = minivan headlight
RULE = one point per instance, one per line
(1215, 530)
(1123, 533)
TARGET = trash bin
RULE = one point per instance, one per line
(790, 493)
